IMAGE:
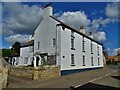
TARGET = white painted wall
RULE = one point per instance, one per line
(45, 33)
(25, 52)
(66, 51)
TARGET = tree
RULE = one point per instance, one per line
(6, 52)
(16, 48)
(105, 52)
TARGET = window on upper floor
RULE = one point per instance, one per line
(83, 44)
(54, 42)
(72, 43)
(38, 45)
(72, 34)
(98, 49)
(31, 49)
(91, 47)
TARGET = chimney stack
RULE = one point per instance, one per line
(48, 10)
(90, 35)
(82, 29)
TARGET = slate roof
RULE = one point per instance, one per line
(30, 43)
(71, 28)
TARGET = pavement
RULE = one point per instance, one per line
(107, 77)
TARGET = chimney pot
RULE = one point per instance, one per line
(90, 35)
(82, 29)
(47, 5)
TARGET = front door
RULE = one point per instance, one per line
(37, 61)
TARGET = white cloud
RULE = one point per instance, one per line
(113, 52)
(96, 23)
(10, 47)
(117, 50)
(21, 18)
(111, 10)
(20, 38)
(75, 19)
(100, 36)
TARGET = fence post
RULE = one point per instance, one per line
(36, 73)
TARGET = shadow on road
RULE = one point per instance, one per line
(116, 77)
(92, 85)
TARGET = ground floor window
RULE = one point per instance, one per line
(92, 64)
(83, 60)
(72, 60)
(25, 60)
(98, 61)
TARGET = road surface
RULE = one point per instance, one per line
(105, 77)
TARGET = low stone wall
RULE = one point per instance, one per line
(28, 72)
(49, 72)
(4, 67)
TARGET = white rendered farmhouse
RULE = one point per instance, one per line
(61, 45)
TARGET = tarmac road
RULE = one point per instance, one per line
(105, 77)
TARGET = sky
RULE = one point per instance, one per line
(19, 20)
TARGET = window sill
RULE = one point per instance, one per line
(83, 51)
(72, 48)
(73, 65)
(72, 36)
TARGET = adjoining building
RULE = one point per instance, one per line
(113, 59)
(56, 43)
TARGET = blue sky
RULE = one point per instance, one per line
(97, 14)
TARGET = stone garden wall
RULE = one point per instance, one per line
(28, 72)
